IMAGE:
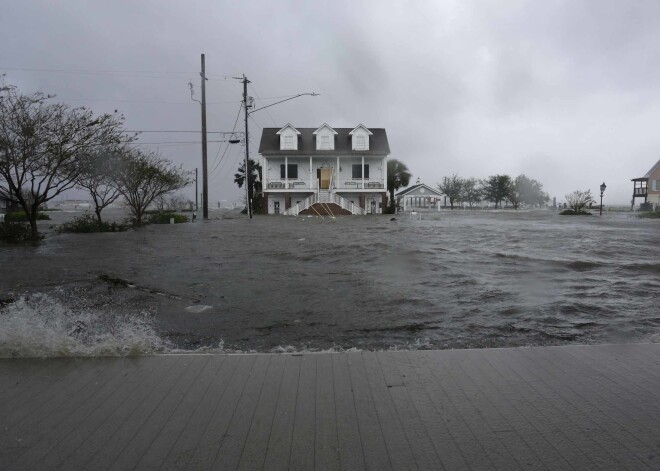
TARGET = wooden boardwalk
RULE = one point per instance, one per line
(576, 407)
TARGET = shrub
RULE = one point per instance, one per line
(570, 212)
(88, 223)
(13, 232)
(655, 214)
(164, 218)
(20, 216)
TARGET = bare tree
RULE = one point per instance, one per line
(96, 176)
(452, 187)
(41, 144)
(143, 176)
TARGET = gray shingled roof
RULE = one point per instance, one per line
(270, 143)
(414, 187)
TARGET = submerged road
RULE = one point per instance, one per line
(569, 407)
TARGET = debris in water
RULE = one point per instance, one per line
(198, 308)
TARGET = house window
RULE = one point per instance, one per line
(288, 141)
(357, 170)
(325, 142)
(360, 143)
(293, 171)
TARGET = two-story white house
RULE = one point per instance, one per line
(324, 170)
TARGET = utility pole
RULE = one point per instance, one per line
(196, 192)
(248, 204)
(205, 176)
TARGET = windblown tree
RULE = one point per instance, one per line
(471, 191)
(97, 177)
(452, 187)
(528, 191)
(41, 145)
(143, 176)
(254, 181)
(578, 200)
(398, 176)
(497, 188)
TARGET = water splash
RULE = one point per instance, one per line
(41, 325)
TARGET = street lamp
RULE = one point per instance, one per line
(247, 104)
(602, 190)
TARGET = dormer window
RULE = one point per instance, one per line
(325, 137)
(288, 138)
(360, 138)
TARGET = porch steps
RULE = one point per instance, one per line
(324, 196)
(325, 209)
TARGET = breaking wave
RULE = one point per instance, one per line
(40, 325)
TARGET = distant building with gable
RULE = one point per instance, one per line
(418, 196)
(648, 186)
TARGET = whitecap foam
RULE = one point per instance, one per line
(41, 325)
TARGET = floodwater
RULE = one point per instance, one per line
(457, 279)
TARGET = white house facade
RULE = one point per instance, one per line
(324, 170)
(419, 196)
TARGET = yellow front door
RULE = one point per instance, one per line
(326, 175)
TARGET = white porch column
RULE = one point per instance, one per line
(337, 173)
(384, 164)
(310, 173)
(363, 172)
(286, 172)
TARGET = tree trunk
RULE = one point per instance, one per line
(33, 222)
(98, 216)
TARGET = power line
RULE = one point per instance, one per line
(146, 101)
(208, 132)
(227, 146)
(174, 142)
(134, 73)
(263, 104)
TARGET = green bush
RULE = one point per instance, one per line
(164, 218)
(20, 216)
(88, 223)
(653, 215)
(13, 232)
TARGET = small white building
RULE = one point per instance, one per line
(419, 196)
(324, 170)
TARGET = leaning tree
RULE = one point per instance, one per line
(41, 144)
(143, 176)
(254, 182)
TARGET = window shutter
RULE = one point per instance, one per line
(366, 170)
(282, 174)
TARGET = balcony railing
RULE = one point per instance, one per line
(640, 192)
(303, 185)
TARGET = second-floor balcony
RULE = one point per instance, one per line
(306, 185)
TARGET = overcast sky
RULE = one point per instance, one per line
(567, 92)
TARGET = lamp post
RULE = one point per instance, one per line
(248, 103)
(602, 190)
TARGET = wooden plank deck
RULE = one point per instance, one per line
(572, 407)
